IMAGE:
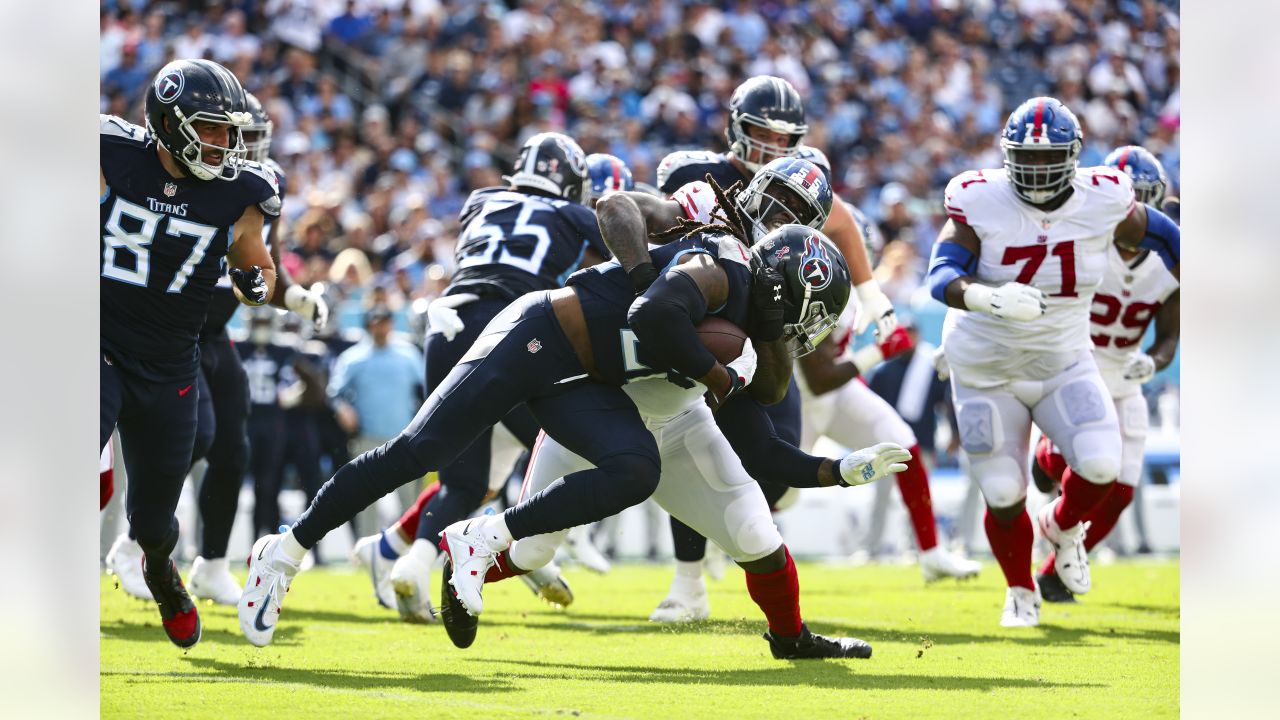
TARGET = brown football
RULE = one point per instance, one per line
(722, 338)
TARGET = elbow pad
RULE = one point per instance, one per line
(948, 262)
(663, 321)
(1163, 236)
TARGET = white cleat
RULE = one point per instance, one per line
(368, 555)
(1021, 608)
(1071, 560)
(547, 583)
(472, 556)
(270, 574)
(124, 560)
(937, 563)
(585, 552)
(410, 580)
(211, 580)
(685, 602)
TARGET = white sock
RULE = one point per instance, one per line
(395, 541)
(292, 549)
(424, 550)
(495, 532)
(218, 565)
(689, 570)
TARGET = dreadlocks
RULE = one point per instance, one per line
(731, 220)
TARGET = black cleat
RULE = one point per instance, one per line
(1044, 483)
(1053, 590)
(178, 613)
(811, 645)
(460, 624)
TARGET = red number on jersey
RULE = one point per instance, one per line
(1035, 255)
(1112, 178)
(974, 177)
(1107, 309)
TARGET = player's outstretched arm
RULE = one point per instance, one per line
(626, 219)
(1168, 330)
(951, 279)
(253, 272)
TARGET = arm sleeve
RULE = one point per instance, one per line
(1163, 236)
(663, 320)
(765, 455)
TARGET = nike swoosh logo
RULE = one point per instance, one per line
(263, 550)
(466, 529)
(257, 620)
(184, 390)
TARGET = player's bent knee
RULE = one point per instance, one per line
(638, 475)
(1001, 479)
(1098, 469)
(755, 538)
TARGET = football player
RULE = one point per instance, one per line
(1018, 261)
(176, 197)
(1136, 289)
(526, 237)
(224, 412)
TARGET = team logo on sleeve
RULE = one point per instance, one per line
(815, 264)
(169, 86)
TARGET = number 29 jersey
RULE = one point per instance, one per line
(1128, 299)
(163, 240)
(1062, 252)
(514, 243)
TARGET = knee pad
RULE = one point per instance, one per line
(1098, 469)
(1001, 478)
(639, 475)
(753, 532)
(535, 551)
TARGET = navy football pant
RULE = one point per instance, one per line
(228, 456)
(266, 453)
(157, 423)
(688, 545)
(519, 358)
(464, 482)
(205, 423)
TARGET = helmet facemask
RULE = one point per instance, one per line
(814, 325)
(744, 147)
(1149, 192)
(191, 155)
(257, 140)
(1040, 172)
(768, 195)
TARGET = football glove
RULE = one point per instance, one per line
(1010, 301)
(251, 284)
(875, 306)
(741, 371)
(442, 316)
(870, 464)
(1139, 368)
(767, 312)
(309, 304)
(895, 343)
(941, 366)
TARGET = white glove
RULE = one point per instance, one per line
(1140, 368)
(1010, 301)
(870, 464)
(309, 304)
(745, 365)
(444, 318)
(875, 306)
(941, 366)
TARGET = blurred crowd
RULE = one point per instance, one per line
(388, 113)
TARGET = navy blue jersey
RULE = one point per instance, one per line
(607, 293)
(514, 243)
(224, 304)
(163, 244)
(686, 166)
(270, 369)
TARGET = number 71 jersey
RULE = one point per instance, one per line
(1062, 252)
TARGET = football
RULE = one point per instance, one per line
(722, 338)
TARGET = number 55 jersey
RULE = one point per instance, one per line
(162, 250)
(1062, 252)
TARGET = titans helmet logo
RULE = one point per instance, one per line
(169, 86)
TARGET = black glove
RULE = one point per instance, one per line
(642, 276)
(765, 320)
(251, 284)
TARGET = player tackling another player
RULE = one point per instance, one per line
(1019, 261)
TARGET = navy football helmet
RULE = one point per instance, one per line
(257, 136)
(606, 173)
(188, 91)
(1041, 143)
(1149, 181)
(808, 203)
(771, 103)
(815, 283)
(551, 163)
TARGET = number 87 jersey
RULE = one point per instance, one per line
(1062, 252)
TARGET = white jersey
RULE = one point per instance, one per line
(1126, 301)
(1062, 252)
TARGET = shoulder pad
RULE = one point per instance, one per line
(271, 206)
(113, 127)
(475, 201)
(275, 168)
(1115, 186)
(697, 199)
(682, 159)
(263, 186)
(964, 193)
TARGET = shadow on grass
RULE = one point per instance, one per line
(141, 632)
(205, 669)
(612, 624)
(822, 674)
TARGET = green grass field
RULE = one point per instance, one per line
(939, 652)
